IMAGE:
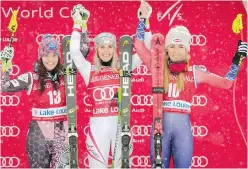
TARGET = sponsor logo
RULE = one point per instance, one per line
(9, 161)
(7, 100)
(9, 131)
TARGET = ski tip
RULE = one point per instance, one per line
(66, 40)
(158, 42)
(125, 36)
(158, 39)
(125, 40)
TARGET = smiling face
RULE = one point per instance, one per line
(50, 61)
(105, 52)
(177, 53)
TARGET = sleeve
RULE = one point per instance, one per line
(22, 82)
(202, 75)
(83, 66)
(142, 45)
(143, 53)
(137, 60)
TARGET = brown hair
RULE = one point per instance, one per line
(42, 72)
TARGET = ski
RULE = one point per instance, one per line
(70, 85)
(157, 70)
(126, 51)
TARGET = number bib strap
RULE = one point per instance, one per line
(177, 106)
(58, 113)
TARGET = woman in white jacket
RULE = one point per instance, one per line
(102, 82)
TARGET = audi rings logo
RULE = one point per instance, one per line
(141, 130)
(9, 131)
(199, 100)
(9, 161)
(86, 161)
(142, 100)
(85, 102)
(106, 93)
(141, 70)
(57, 37)
(8, 100)
(91, 39)
(199, 131)
(141, 161)
(199, 161)
(198, 40)
(15, 70)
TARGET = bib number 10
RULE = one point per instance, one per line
(54, 97)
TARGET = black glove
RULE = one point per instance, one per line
(241, 53)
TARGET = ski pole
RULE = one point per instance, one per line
(7, 63)
(237, 27)
(118, 126)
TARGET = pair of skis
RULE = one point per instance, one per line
(157, 69)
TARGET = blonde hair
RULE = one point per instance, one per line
(97, 62)
(167, 75)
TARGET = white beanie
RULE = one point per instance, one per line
(178, 35)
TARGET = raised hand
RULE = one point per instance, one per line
(145, 10)
(241, 53)
(80, 15)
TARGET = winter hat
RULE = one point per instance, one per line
(104, 38)
(178, 35)
(47, 45)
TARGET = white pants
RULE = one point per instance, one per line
(100, 138)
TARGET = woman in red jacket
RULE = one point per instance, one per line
(47, 140)
(180, 83)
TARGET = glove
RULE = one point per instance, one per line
(145, 10)
(241, 53)
(80, 16)
(6, 56)
(7, 53)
